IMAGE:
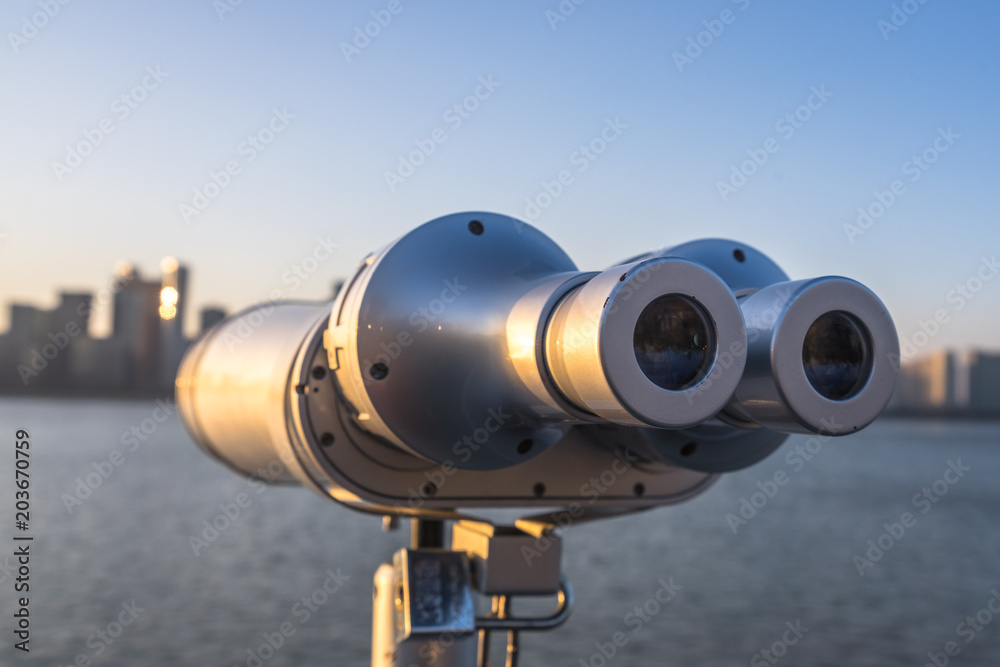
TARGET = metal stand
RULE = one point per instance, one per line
(424, 608)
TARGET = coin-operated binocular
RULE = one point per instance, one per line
(470, 365)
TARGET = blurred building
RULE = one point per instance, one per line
(984, 382)
(69, 322)
(20, 353)
(927, 382)
(136, 328)
(210, 317)
(172, 300)
(52, 351)
(27, 325)
(950, 382)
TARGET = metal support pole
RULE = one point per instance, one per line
(424, 602)
(501, 610)
(384, 617)
(502, 605)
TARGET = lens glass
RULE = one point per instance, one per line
(673, 342)
(836, 355)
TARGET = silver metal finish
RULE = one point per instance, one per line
(526, 333)
(774, 396)
(232, 385)
(560, 616)
(775, 392)
(434, 594)
(589, 344)
(423, 609)
(290, 422)
(255, 392)
(475, 315)
(741, 266)
(351, 470)
(446, 648)
(715, 446)
(384, 616)
(432, 309)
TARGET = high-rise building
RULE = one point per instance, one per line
(21, 349)
(984, 382)
(100, 364)
(73, 311)
(27, 324)
(173, 298)
(137, 329)
(52, 351)
(927, 382)
(68, 324)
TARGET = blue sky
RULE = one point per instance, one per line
(554, 85)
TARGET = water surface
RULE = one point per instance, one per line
(791, 563)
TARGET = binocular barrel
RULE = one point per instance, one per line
(476, 323)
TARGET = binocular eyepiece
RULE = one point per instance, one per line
(475, 342)
(633, 344)
(817, 355)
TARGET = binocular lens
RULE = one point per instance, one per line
(836, 355)
(673, 342)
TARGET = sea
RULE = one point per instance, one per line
(881, 548)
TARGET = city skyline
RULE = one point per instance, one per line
(58, 350)
(949, 381)
(914, 345)
(55, 351)
(294, 280)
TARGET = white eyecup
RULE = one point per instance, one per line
(788, 401)
(590, 353)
